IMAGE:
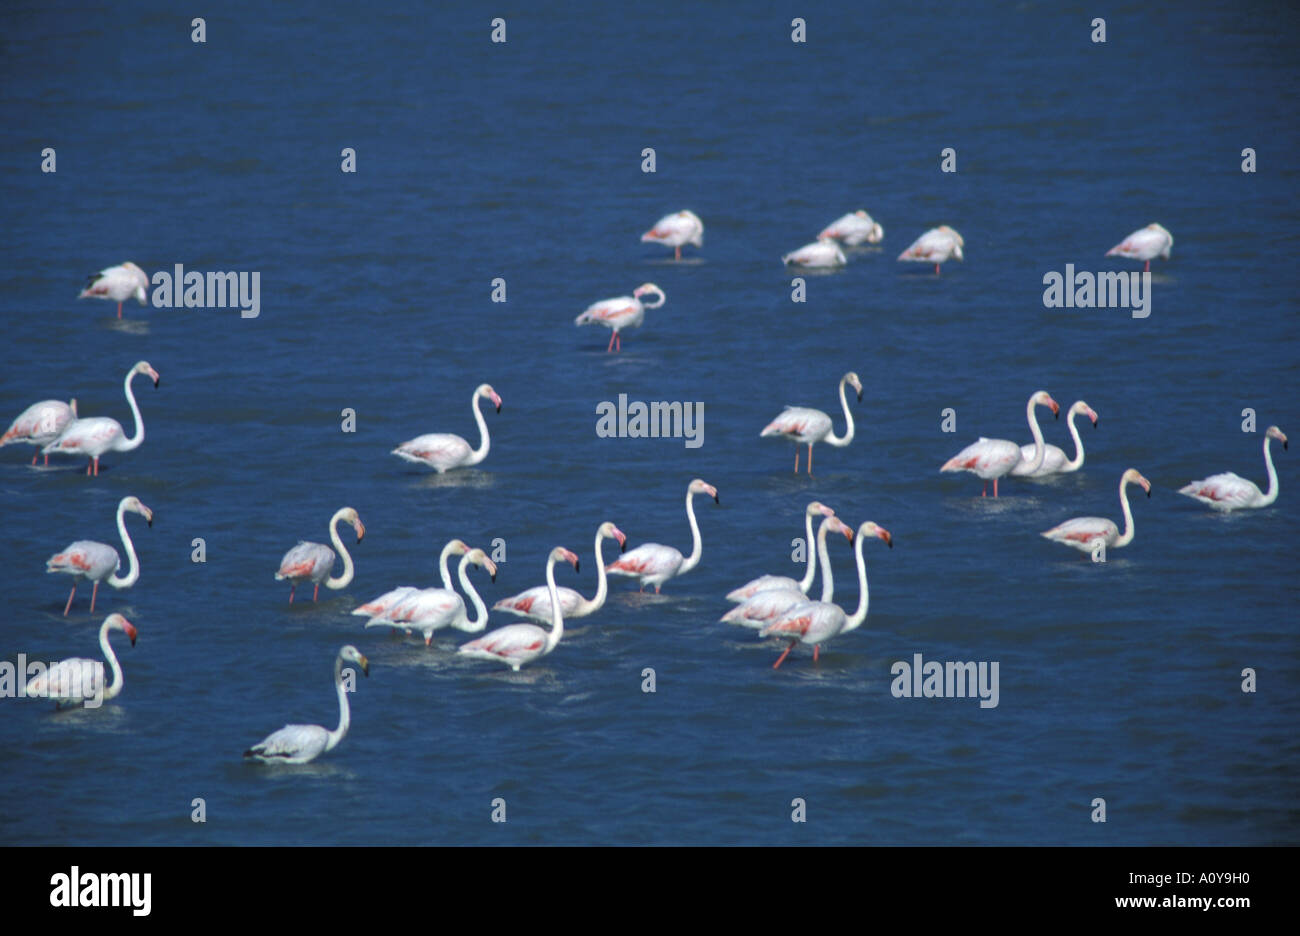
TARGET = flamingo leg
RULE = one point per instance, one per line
(93, 592)
(88, 466)
(315, 591)
(36, 456)
(428, 640)
(611, 342)
(781, 658)
(618, 342)
(47, 461)
(796, 458)
(656, 589)
(1147, 268)
(292, 589)
(96, 466)
(816, 647)
(984, 493)
(68, 606)
(119, 310)
(810, 459)
(936, 269)
(995, 487)
(678, 254)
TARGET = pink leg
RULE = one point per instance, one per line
(678, 254)
(796, 458)
(985, 492)
(781, 658)
(88, 467)
(68, 606)
(119, 310)
(611, 342)
(618, 342)
(93, 592)
(37, 455)
(816, 647)
(936, 269)
(656, 589)
(1147, 268)
(810, 459)
(315, 591)
(995, 487)
(96, 466)
(291, 591)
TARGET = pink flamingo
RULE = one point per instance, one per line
(653, 564)
(764, 607)
(313, 562)
(675, 230)
(443, 451)
(1229, 491)
(853, 229)
(432, 609)
(765, 582)
(815, 622)
(821, 253)
(99, 562)
(1150, 242)
(379, 607)
(1054, 460)
(805, 426)
(936, 246)
(1083, 533)
(517, 644)
(991, 459)
(40, 424)
(535, 603)
(118, 284)
(620, 313)
(80, 680)
(94, 436)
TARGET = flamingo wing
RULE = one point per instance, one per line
(292, 744)
(762, 583)
(1227, 491)
(439, 450)
(765, 607)
(86, 558)
(40, 424)
(380, 606)
(1084, 532)
(95, 435)
(72, 680)
(535, 603)
(987, 458)
(649, 560)
(306, 561)
(513, 642)
(800, 424)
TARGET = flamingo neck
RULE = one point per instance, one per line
(602, 584)
(345, 712)
(1075, 463)
(557, 617)
(133, 563)
(828, 581)
(134, 442)
(1128, 515)
(1040, 449)
(345, 578)
(116, 685)
(697, 544)
(1272, 475)
(805, 583)
(485, 443)
(832, 438)
(442, 567)
(480, 610)
(864, 596)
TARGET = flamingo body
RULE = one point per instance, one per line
(78, 680)
(1084, 533)
(853, 229)
(1146, 244)
(653, 563)
(803, 425)
(518, 644)
(444, 451)
(937, 245)
(1229, 491)
(117, 284)
(93, 437)
(991, 459)
(93, 561)
(820, 254)
(299, 744)
(40, 424)
(621, 312)
(676, 230)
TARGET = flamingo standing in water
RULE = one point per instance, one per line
(1229, 491)
(805, 426)
(815, 622)
(432, 609)
(676, 230)
(118, 284)
(936, 246)
(379, 607)
(820, 253)
(853, 229)
(313, 562)
(991, 459)
(653, 564)
(765, 582)
(81, 680)
(766, 606)
(40, 424)
(443, 451)
(1084, 533)
(99, 562)
(1054, 460)
(517, 644)
(298, 744)
(96, 435)
(1150, 242)
(535, 603)
(620, 313)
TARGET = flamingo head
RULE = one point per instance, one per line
(134, 505)
(609, 531)
(486, 391)
(117, 622)
(1043, 398)
(649, 288)
(352, 655)
(1133, 476)
(480, 558)
(836, 525)
(560, 554)
(1084, 409)
(874, 529)
(143, 368)
(703, 487)
(456, 547)
(818, 509)
(1275, 433)
(853, 381)
(348, 515)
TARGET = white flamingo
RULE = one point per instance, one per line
(764, 607)
(99, 562)
(805, 426)
(653, 564)
(676, 230)
(432, 609)
(443, 451)
(620, 313)
(313, 562)
(1083, 533)
(378, 607)
(819, 254)
(1146, 244)
(118, 284)
(78, 680)
(992, 459)
(764, 582)
(815, 622)
(937, 245)
(298, 744)
(40, 424)
(1229, 491)
(96, 435)
(853, 229)
(517, 644)
(1054, 460)
(535, 603)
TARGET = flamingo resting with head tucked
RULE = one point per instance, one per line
(40, 424)
(653, 564)
(1146, 244)
(118, 284)
(620, 313)
(79, 680)
(936, 246)
(1084, 533)
(298, 744)
(766, 606)
(821, 253)
(765, 582)
(99, 562)
(991, 459)
(853, 229)
(676, 230)
(1229, 491)
(94, 436)
(313, 562)
(1054, 460)
(431, 609)
(517, 644)
(805, 426)
(535, 603)
(443, 451)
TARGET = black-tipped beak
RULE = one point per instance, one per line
(859, 396)
(715, 500)
(365, 668)
(494, 576)
(622, 547)
(1148, 494)
(577, 566)
(150, 521)
(1284, 446)
(1096, 423)
(498, 407)
(156, 383)
(1056, 414)
(133, 641)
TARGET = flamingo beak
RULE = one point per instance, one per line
(361, 530)
(887, 537)
(848, 533)
(622, 540)
(365, 665)
(130, 632)
(497, 400)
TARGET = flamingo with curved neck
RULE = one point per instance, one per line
(99, 562)
(766, 606)
(1229, 491)
(443, 451)
(1088, 533)
(653, 563)
(380, 606)
(766, 582)
(314, 561)
(81, 680)
(620, 313)
(432, 609)
(298, 744)
(535, 603)
(803, 425)
(517, 644)
(1054, 460)
(992, 459)
(96, 435)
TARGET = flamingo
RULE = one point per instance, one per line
(118, 284)
(517, 644)
(1146, 244)
(378, 607)
(94, 436)
(853, 229)
(1083, 533)
(74, 681)
(936, 246)
(432, 609)
(805, 426)
(1054, 460)
(768, 605)
(822, 252)
(443, 451)
(535, 603)
(620, 313)
(815, 622)
(653, 564)
(40, 424)
(1229, 492)
(314, 561)
(299, 744)
(994, 458)
(99, 562)
(675, 230)
(765, 582)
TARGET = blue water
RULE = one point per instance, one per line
(523, 161)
